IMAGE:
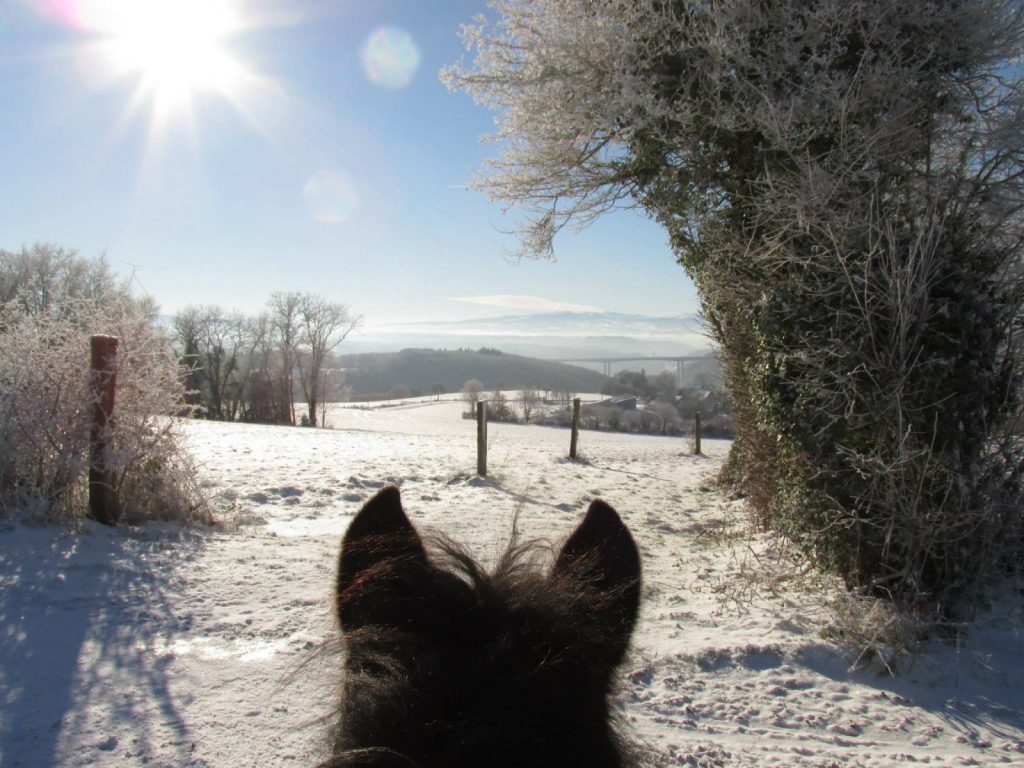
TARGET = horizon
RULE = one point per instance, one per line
(544, 335)
(549, 335)
(219, 151)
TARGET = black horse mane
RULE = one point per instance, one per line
(450, 664)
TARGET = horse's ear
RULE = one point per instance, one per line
(601, 552)
(378, 553)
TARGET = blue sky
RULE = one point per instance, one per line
(304, 146)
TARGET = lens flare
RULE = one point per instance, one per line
(331, 196)
(390, 58)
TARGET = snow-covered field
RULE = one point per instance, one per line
(163, 646)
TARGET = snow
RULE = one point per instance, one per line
(169, 646)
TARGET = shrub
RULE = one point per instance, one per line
(46, 399)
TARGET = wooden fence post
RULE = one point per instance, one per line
(481, 438)
(103, 505)
(575, 427)
(696, 433)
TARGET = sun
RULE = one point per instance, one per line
(176, 49)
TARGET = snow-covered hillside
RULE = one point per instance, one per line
(161, 646)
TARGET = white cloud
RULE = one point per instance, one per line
(526, 303)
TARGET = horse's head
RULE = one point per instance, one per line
(447, 665)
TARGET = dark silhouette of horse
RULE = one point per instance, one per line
(449, 666)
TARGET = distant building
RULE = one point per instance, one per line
(622, 402)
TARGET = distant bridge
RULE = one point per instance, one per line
(606, 363)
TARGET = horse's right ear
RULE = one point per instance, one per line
(379, 553)
(602, 554)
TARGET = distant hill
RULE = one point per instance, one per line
(546, 335)
(421, 370)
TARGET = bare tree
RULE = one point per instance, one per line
(212, 343)
(286, 323)
(528, 399)
(471, 393)
(335, 390)
(221, 346)
(263, 402)
(323, 326)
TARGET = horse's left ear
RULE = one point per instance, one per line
(602, 552)
(381, 556)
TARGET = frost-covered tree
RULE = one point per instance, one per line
(843, 181)
(49, 279)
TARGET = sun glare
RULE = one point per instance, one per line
(174, 47)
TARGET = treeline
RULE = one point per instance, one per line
(254, 368)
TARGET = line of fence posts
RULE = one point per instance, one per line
(481, 434)
(103, 502)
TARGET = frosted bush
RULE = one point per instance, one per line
(46, 399)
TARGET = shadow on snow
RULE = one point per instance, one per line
(86, 624)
